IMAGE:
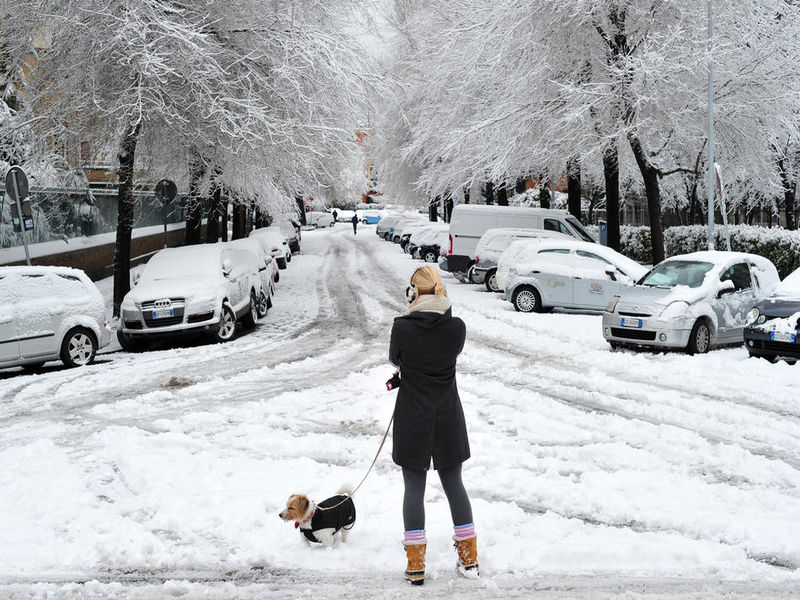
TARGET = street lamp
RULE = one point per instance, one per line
(710, 133)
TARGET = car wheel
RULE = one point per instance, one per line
(364, 221)
(491, 281)
(460, 277)
(700, 338)
(250, 319)
(415, 254)
(526, 299)
(78, 347)
(386, 236)
(263, 305)
(282, 263)
(615, 345)
(288, 258)
(430, 256)
(472, 276)
(277, 277)
(227, 324)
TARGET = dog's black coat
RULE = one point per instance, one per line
(341, 517)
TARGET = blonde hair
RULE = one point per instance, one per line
(428, 281)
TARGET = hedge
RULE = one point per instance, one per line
(780, 246)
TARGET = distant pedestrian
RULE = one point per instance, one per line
(428, 419)
(354, 221)
(335, 216)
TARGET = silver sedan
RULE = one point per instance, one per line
(692, 302)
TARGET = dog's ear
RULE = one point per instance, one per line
(302, 504)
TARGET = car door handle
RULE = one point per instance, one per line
(536, 272)
(577, 277)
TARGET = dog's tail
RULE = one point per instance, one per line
(347, 488)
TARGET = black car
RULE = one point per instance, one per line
(774, 329)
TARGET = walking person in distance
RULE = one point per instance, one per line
(429, 421)
(354, 221)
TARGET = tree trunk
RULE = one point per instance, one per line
(611, 174)
(125, 204)
(214, 202)
(301, 205)
(239, 221)
(544, 194)
(466, 195)
(223, 224)
(502, 195)
(433, 209)
(448, 207)
(653, 192)
(789, 192)
(574, 187)
(489, 192)
(194, 212)
(519, 187)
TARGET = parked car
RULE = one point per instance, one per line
(567, 274)
(50, 313)
(396, 228)
(201, 289)
(425, 235)
(369, 217)
(410, 228)
(382, 228)
(431, 249)
(493, 243)
(290, 230)
(470, 221)
(319, 219)
(266, 267)
(278, 247)
(692, 301)
(773, 329)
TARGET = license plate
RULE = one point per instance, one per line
(776, 336)
(627, 322)
(162, 313)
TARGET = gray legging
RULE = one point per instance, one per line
(414, 498)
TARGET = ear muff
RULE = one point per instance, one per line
(411, 293)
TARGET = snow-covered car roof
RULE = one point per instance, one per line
(184, 261)
(492, 236)
(766, 272)
(630, 267)
(37, 270)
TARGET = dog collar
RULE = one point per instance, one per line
(306, 520)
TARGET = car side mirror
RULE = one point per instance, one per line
(227, 267)
(725, 287)
(136, 277)
(612, 274)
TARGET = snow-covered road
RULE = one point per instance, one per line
(594, 473)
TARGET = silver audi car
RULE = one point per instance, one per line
(692, 301)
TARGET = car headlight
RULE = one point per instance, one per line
(612, 304)
(752, 316)
(674, 310)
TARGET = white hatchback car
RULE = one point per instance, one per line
(50, 313)
(189, 290)
(567, 274)
(267, 270)
(278, 246)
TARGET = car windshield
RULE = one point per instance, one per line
(184, 264)
(677, 272)
(576, 225)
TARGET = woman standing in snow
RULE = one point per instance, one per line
(428, 418)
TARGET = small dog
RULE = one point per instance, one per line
(324, 522)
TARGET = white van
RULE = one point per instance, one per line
(470, 221)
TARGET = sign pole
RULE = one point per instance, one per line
(165, 224)
(21, 216)
(710, 131)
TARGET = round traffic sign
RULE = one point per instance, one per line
(21, 184)
(166, 191)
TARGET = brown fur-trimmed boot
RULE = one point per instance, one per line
(467, 550)
(415, 571)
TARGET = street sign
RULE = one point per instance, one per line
(22, 184)
(27, 216)
(166, 191)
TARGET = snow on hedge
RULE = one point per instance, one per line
(781, 246)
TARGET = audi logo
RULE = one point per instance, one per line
(165, 303)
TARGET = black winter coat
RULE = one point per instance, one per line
(428, 418)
